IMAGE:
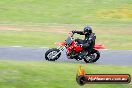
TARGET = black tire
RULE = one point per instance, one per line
(98, 55)
(49, 51)
(93, 60)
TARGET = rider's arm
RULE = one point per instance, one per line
(79, 32)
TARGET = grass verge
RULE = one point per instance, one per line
(66, 12)
(14, 74)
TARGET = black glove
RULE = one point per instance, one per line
(74, 31)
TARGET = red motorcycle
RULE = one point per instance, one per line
(73, 51)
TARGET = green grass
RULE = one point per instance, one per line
(113, 37)
(34, 39)
(111, 20)
(99, 13)
(66, 11)
(15, 74)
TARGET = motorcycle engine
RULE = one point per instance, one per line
(75, 55)
(80, 56)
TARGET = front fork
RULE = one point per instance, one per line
(60, 48)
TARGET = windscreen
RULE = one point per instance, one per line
(68, 41)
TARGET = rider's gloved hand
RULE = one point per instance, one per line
(74, 31)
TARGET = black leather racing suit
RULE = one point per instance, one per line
(89, 41)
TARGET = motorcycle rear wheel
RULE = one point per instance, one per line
(96, 56)
(52, 52)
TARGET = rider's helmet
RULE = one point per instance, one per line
(87, 30)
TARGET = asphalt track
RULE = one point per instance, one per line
(108, 57)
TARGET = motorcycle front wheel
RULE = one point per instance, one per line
(49, 55)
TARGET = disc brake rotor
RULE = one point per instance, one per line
(52, 54)
(88, 58)
(93, 56)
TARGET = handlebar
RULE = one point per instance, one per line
(71, 34)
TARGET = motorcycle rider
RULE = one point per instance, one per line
(89, 40)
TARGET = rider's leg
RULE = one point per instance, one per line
(80, 41)
(89, 48)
